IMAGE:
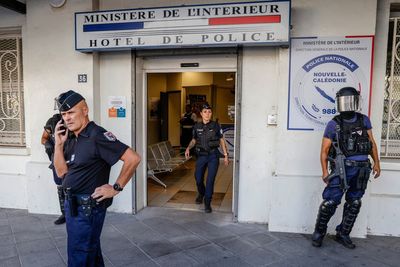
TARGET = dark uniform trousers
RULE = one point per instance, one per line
(203, 161)
(333, 191)
(84, 236)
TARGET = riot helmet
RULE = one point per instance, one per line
(348, 100)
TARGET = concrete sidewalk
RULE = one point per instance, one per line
(168, 237)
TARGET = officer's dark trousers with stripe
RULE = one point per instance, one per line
(84, 237)
(210, 162)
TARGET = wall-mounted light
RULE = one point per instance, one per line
(57, 3)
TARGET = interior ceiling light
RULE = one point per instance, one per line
(229, 78)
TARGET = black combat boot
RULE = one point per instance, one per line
(325, 212)
(199, 199)
(61, 199)
(207, 205)
(350, 212)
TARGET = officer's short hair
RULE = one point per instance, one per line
(68, 100)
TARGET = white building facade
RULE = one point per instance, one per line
(277, 170)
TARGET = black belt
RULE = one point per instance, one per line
(85, 199)
(354, 163)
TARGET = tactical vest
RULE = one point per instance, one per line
(187, 119)
(353, 137)
(207, 140)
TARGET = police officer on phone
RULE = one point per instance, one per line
(84, 162)
(207, 137)
(348, 136)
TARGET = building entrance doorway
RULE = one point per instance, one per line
(174, 101)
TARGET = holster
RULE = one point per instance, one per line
(73, 205)
(363, 173)
(86, 202)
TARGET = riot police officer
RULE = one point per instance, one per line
(84, 165)
(48, 141)
(207, 137)
(348, 136)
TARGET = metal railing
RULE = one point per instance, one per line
(12, 121)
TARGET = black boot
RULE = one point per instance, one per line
(199, 199)
(61, 199)
(207, 205)
(350, 213)
(325, 212)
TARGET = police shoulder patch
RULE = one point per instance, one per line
(110, 136)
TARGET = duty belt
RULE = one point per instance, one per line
(354, 163)
(85, 201)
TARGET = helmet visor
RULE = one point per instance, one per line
(348, 103)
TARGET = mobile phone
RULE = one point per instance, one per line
(63, 127)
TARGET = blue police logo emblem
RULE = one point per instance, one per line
(110, 136)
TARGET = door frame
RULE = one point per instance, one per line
(148, 63)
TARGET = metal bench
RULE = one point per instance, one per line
(159, 160)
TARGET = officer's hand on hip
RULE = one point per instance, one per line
(103, 192)
(376, 170)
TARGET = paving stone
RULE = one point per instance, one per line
(149, 263)
(188, 241)
(35, 246)
(6, 240)
(63, 252)
(4, 221)
(11, 213)
(239, 228)
(29, 235)
(57, 232)
(166, 227)
(228, 262)
(43, 258)
(176, 259)
(208, 253)
(209, 231)
(27, 226)
(126, 256)
(10, 262)
(260, 257)
(260, 239)
(239, 246)
(5, 230)
(159, 248)
(7, 252)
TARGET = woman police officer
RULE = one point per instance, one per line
(207, 137)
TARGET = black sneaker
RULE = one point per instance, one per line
(317, 239)
(60, 220)
(344, 240)
(199, 199)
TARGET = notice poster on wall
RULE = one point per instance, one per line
(319, 67)
(116, 106)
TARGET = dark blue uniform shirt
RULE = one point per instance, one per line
(89, 159)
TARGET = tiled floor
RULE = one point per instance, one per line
(181, 182)
(170, 237)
